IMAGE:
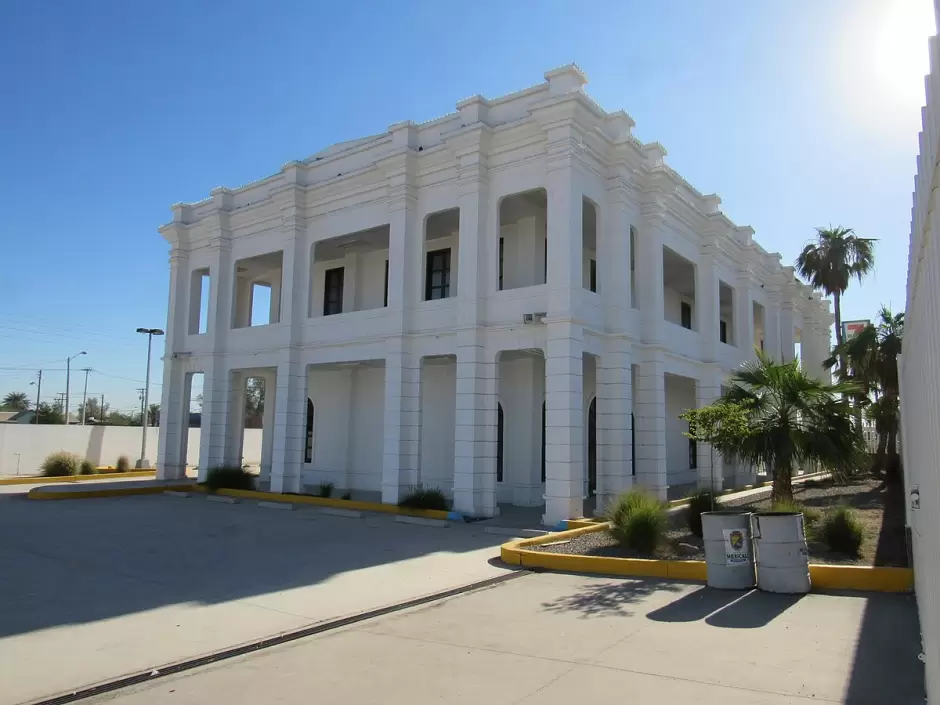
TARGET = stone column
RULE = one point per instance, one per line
(744, 315)
(650, 419)
(614, 426)
(710, 466)
(772, 325)
(267, 424)
(475, 431)
(786, 331)
(214, 432)
(649, 273)
(707, 301)
(564, 423)
(613, 256)
(174, 403)
(402, 445)
(289, 406)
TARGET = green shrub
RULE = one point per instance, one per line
(842, 531)
(638, 521)
(61, 464)
(811, 515)
(346, 496)
(86, 468)
(699, 501)
(123, 464)
(325, 489)
(425, 498)
(231, 478)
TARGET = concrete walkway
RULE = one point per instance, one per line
(93, 589)
(554, 639)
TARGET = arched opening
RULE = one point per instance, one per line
(543, 441)
(308, 431)
(499, 442)
(592, 447)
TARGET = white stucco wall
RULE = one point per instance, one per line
(330, 391)
(521, 389)
(368, 407)
(680, 395)
(99, 444)
(672, 306)
(438, 405)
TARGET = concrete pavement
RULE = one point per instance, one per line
(559, 639)
(97, 588)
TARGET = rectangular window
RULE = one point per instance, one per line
(385, 301)
(723, 331)
(594, 275)
(693, 455)
(545, 262)
(333, 291)
(502, 243)
(437, 276)
(685, 310)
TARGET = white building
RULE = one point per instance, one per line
(920, 384)
(512, 303)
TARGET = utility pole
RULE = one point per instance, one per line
(38, 394)
(86, 370)
(68, 379)
(101, 410)
(140, 394)
(143, 462)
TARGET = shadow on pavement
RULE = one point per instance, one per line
(81, 561)
(695, 605)
(756, 609)
(609, 599)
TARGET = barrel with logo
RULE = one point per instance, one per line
(782, 556)
(729, 550)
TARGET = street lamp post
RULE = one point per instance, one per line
(68, 379)
(143, 462)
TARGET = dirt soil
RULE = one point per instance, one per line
(880, 508)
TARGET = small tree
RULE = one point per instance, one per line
(722, 425)
(50, 413)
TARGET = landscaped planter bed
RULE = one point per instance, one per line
(879, 506)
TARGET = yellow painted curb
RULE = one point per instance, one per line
(42, 493)
(40, 480)
(824, 577)
(860, 577)
(330, 502)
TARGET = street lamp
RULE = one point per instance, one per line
(68, 378)
(143, 462)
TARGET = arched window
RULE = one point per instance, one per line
(308, 446)
(543, 441)
(499, 442)
(592, 447)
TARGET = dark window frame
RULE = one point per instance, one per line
(723, 331)
(500, 429)
(593, 276)
(385, 300)
(693, 450)
(333, 285)
(502, 244)
(437, 262)
(685, 315)
(308, 437)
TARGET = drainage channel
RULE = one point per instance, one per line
(268, 642)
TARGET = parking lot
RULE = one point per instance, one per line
(98, 588)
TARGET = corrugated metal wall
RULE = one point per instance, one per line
(920, 380)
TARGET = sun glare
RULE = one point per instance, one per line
(900, 58)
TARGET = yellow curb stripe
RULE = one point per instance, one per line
(330, 502)
(43, 493)
(40, 480)
(824, 577)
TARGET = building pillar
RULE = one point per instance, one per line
(401, 459)
(475, 428)
(564, 423)
(650, 419)
(614, 425)
(267, 424)
(613, 256)
(787, 328)
(649, 274)
(710, 466)
(174, 421)
(214, 427)
(290, 396)
(707, 301)
(744, 316)
(772, 326)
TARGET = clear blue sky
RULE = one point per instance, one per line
(797, 113)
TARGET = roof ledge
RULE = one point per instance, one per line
(565, 79)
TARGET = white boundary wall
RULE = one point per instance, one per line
(100, 444)
(920, 383)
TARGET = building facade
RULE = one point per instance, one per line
(920, 385)
(511, 303)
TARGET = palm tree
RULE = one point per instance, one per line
(830, 263)
(872, 363)
(15, 401)
(793, 418)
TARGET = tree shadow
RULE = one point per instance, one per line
(609, 599)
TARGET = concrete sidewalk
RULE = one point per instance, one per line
(93, 589)
(561, 639)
